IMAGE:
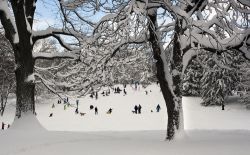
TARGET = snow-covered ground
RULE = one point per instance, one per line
(213, 131)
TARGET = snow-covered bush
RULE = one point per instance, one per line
(7, 75)
(221, 75)
(192, 79)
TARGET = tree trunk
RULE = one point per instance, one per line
(24, 89)
(23, 56)
(172, 96)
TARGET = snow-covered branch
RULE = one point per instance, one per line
(8, 22)
(54, 55)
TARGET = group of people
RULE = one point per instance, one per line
(117, 90)
(137, 109)
(91, 107)
(94, 95)
(65, 100)
(106, 92)
(146, 92)
(3, 125)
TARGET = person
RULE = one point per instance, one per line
(136, 108)
(59, 102)
(118, 90)
(124, 91)
(3, 125)
(109, 111)
(91, 96)
(77, 102)
(96, 111)
(96, 95)
(67, 99)
(51, 114)
(91, 107)
(158, 108)
(139, 109)
(76, 111)
(115, 90)
(146, 92)
(223, 107)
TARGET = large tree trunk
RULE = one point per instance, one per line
(171, 89)
(24, 88)
(23, 57)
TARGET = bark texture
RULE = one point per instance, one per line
(172, 97)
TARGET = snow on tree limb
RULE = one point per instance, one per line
(54, 55)
(8, 22)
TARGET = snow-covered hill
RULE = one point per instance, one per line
(123, 132)
(235, 115)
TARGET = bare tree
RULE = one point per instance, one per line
(190, 27)
(17, 18)
(7, 77)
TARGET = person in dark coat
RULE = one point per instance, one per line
(158, 108)
(118, 90)
(3, 125)
(96, 95)
(51, 114)
(136, 108)
(77, 103)
(109, 111)
(124, 91)
(96, 111)
(76, 111)
(139, 109)
(91, 107)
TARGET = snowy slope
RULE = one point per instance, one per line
(27, 136)
(234, 117)
(120, 119)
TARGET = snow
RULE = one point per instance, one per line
(31, 78)
(209, 130)
(234, 117)
(121, 118)
(37, 55)
(124, 143)
(5, 9)
(33, 123)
